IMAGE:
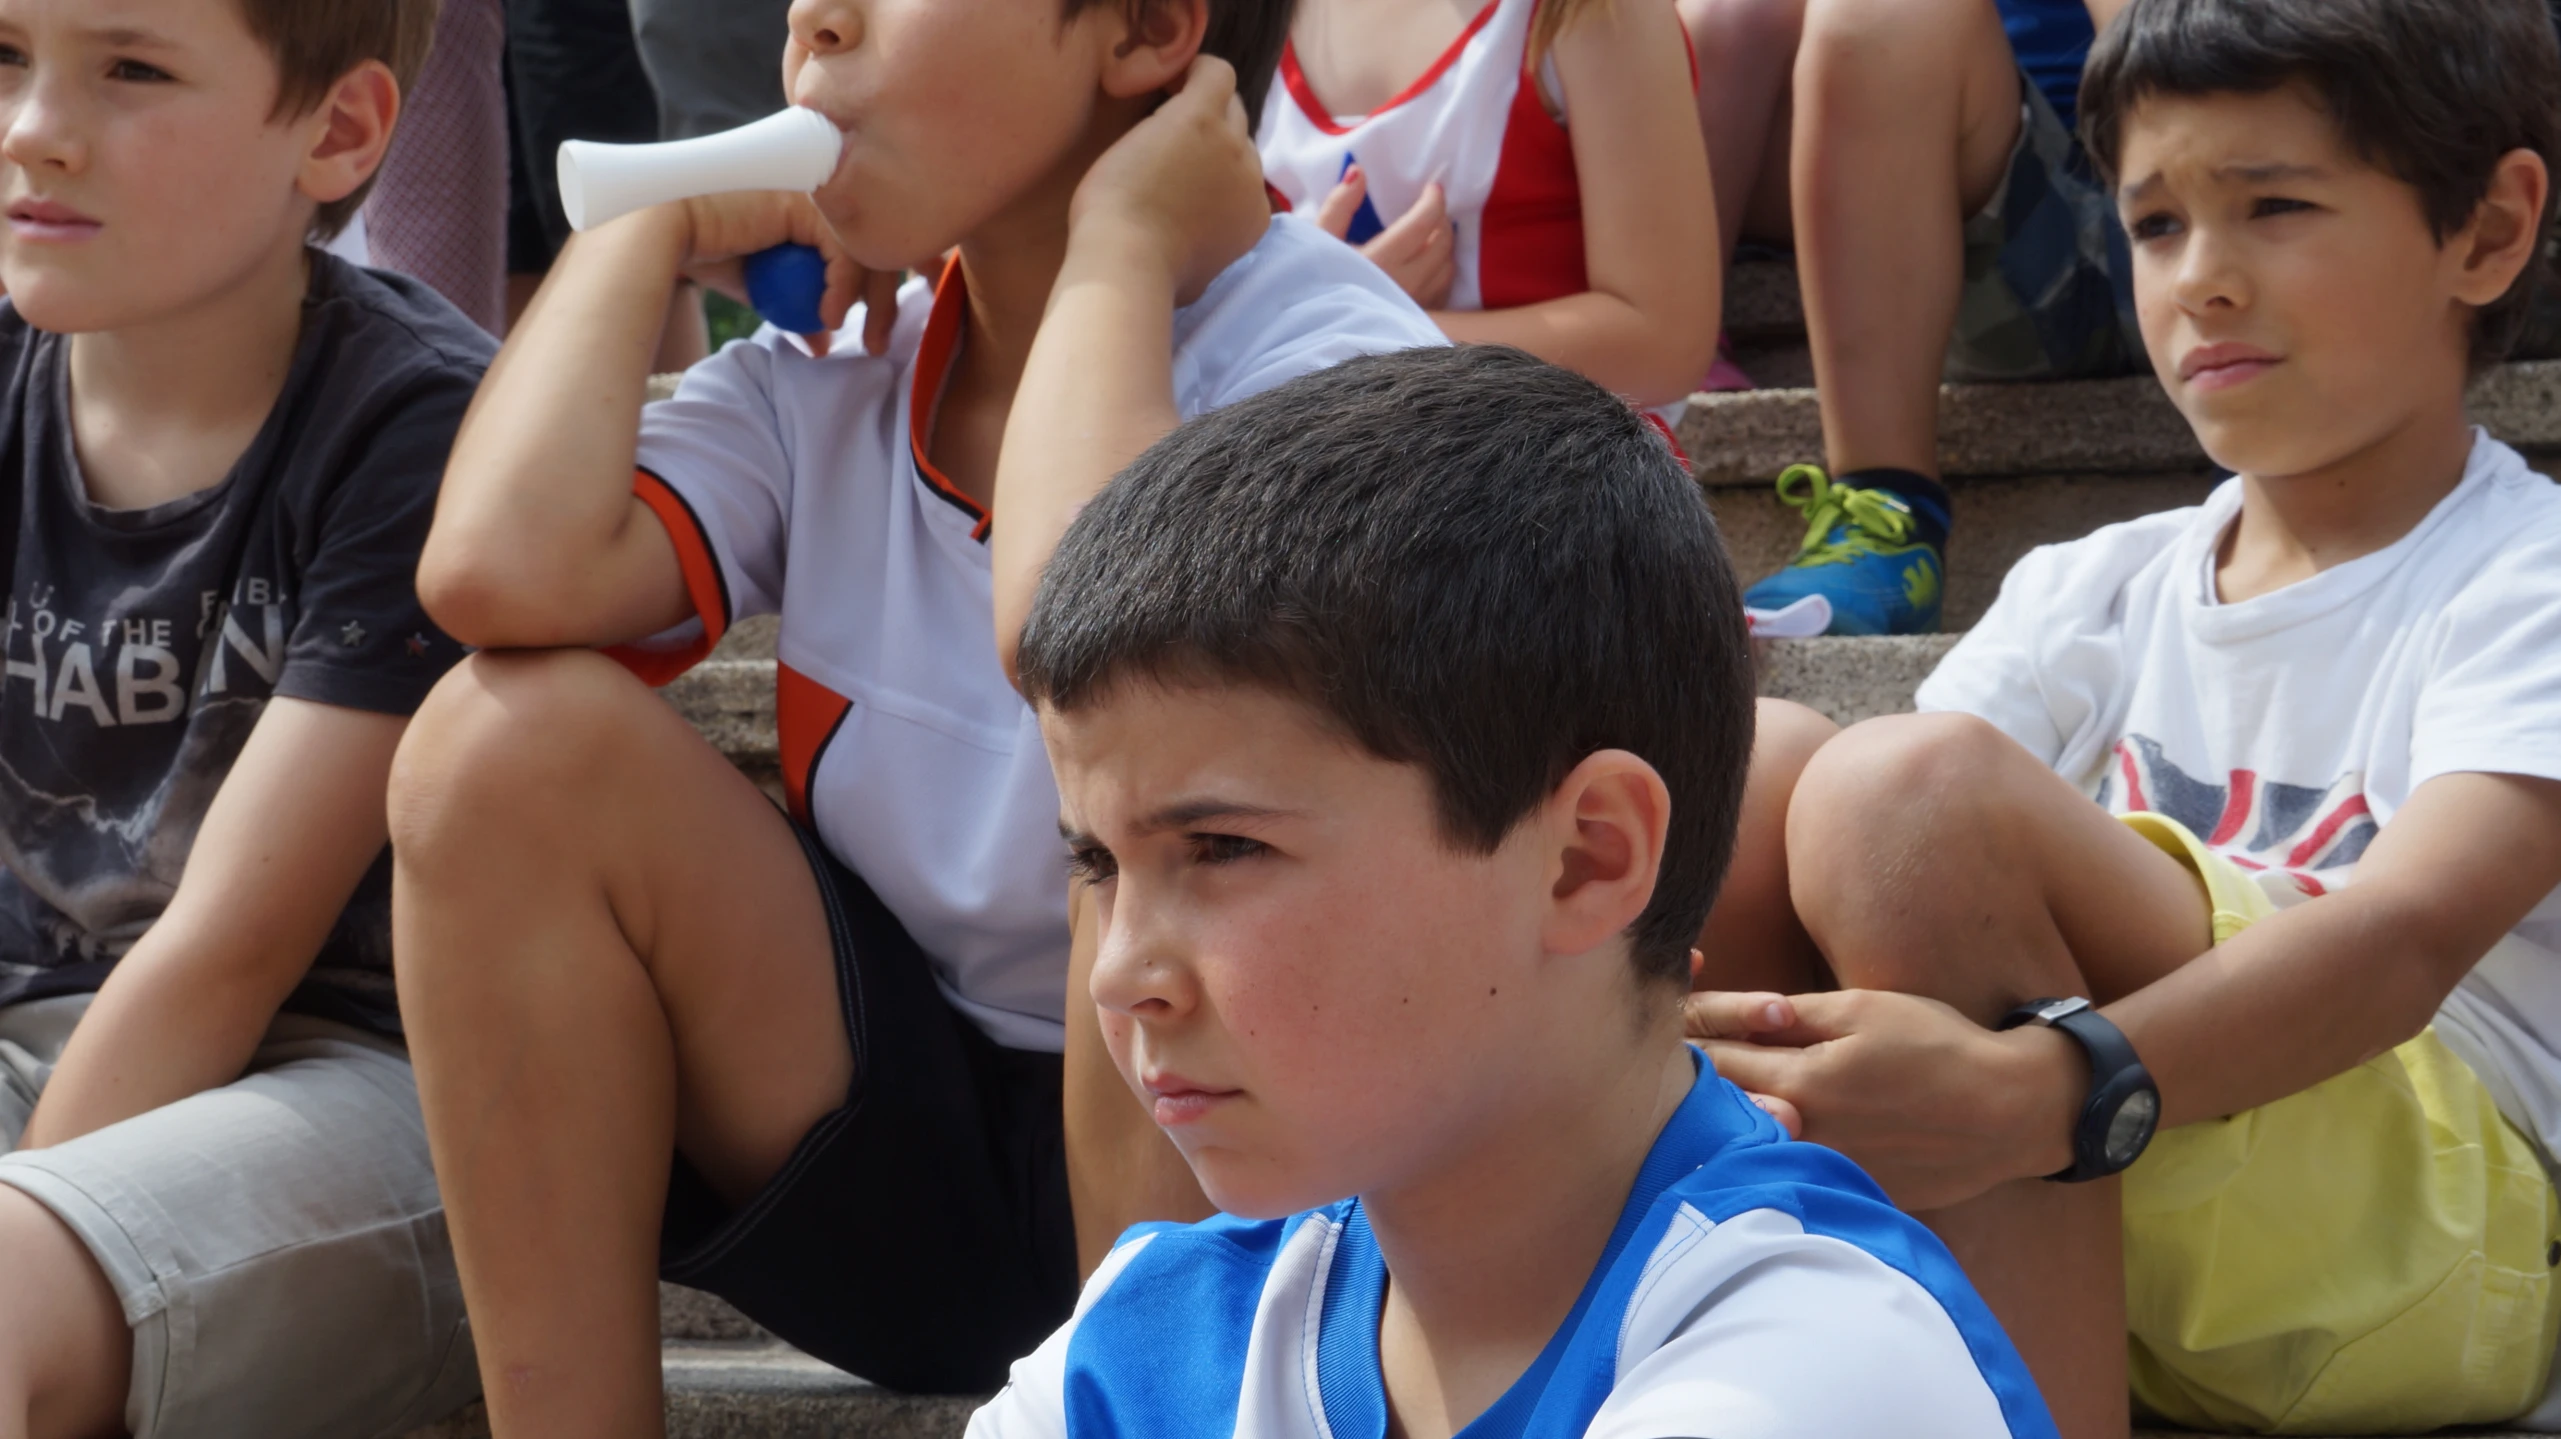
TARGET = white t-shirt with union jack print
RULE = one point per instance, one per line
(2286, 730)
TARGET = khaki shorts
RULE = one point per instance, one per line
(277, 1244)
(2373, 1255)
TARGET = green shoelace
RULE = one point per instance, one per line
(1870, 521)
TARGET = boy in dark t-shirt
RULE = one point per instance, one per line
(219, 452)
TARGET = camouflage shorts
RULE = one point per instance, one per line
(2049, 281)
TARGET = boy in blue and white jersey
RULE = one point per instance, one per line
(1400, 718)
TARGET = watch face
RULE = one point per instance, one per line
(2130, 1128)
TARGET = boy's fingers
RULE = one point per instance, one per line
(1209, 84)
(1785, 1113)
(1716, 1015)
(1334, 217)
(1756, 1069)
(880, 309)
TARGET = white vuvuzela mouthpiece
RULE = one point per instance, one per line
(795, 150)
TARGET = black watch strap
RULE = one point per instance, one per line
(2118, 1081)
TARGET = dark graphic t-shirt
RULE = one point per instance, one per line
(139, 647)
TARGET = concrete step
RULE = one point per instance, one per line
(730, 697)
(768, 1391)
(2075, 427)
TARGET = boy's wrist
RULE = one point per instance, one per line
(2049, 1081)
(665, 233)
(1108, 245)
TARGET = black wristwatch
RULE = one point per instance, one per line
(2124, 1105)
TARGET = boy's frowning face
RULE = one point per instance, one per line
(2295, 302)
(1313, 991)
(953, 110)
(143, 166)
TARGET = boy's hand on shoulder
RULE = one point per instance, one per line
(723, 230)
(1936, 1108)
(1183, 189)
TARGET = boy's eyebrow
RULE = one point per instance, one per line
(1184, 814)
(126, 37)
(2269, 173)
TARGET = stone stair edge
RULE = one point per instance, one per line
(729, 1391)
(2070, 427)
(730, 698)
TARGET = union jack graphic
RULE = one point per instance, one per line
(2256, 823)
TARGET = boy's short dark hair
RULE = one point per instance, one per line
(1247, 34)
(1467, 560)
(316, 42)
(2432, 92)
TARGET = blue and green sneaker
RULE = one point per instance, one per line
(1873, 553)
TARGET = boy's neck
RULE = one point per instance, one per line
(163, 409)
(2294, 527)
(1486, 1257)
(1011, 264)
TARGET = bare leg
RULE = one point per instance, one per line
(1933, 856)
(1753, 940)
(610, 948)
(1906, 112)
(1745, 51)
(66, 1356)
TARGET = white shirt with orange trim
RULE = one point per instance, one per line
(798, 485)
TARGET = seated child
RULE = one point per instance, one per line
(1440, 144)
(1401, 718)
(843, 1023)
(1945, 222)
(217, 1215)
(2321, 716)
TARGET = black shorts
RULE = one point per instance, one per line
(920, 1236)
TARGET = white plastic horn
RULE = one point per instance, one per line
(795, 150)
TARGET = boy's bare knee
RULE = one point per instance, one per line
(65, 1352)
(1755, 31)
(1888, 785)
(504, 737)
(1846, 41)
(1785, 738)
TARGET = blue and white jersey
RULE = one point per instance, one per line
(1753, 1287)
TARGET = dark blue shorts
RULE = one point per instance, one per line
(920, 1236)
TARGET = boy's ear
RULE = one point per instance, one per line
(2500, 242)
(1604, 827)
(1157, 40)
(350, 132)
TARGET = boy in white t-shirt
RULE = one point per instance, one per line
(843, 1026)
(2321, 715)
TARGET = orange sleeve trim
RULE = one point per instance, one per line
(704, 585)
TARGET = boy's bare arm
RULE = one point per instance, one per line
(1647, 325)
(2296, 999)
(295, 826)
(538, 539)
(1171, 204)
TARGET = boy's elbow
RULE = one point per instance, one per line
(472, 598)
(1679, 349)
(1677, 371)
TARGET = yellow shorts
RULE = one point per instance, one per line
(2373, 1255)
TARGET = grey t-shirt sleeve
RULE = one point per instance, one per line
(362, 640)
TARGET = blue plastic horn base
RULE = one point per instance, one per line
(785, 285)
